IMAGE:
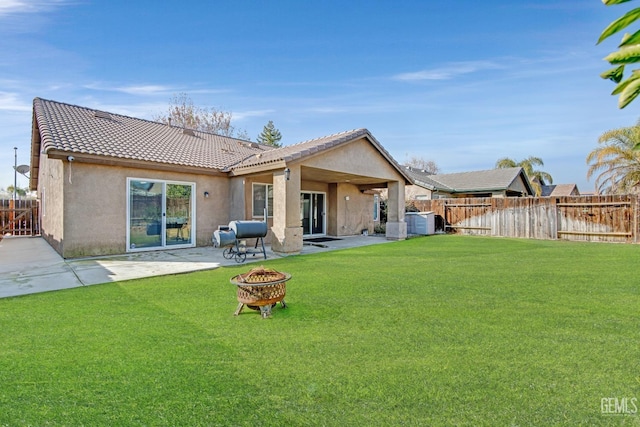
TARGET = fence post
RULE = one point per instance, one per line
(635, 219)
(12, 215)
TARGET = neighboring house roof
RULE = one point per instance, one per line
(560, 190)
(72, 129)
(470, 182)
(424, 179)
(67, 129)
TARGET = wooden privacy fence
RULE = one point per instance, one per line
(586, 218)
(19, 218)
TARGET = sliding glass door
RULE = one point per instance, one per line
(312, 208)
(160, 214)
(178, 208)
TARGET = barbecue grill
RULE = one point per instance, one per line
(232, 239)
(261, 289)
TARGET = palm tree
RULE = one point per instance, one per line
(616, 161)
(537, 178)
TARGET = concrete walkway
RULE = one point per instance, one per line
(29, 265)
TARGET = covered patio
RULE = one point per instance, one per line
(346, 173)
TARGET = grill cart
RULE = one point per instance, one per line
(232, 239)
(261, 289)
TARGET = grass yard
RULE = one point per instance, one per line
(442, 330)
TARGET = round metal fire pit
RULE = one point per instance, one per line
(261, 289)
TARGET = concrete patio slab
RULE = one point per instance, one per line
(29, 265)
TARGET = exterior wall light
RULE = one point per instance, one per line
(287, 174)
(206, 194)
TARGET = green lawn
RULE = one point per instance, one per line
(442, 330)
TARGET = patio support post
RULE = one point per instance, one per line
(287, 229)
(396, 226)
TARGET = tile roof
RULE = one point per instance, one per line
(307, 148)
(486, 180)
(424, 179)
(302, 149)
(74, 129)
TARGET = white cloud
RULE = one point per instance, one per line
(8, 7)
(150, 89)
(12, 102)
(448, 72)
(142, 89)
(241, 115)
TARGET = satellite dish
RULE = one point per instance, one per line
(23, 169)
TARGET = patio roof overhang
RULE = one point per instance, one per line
(308, 173)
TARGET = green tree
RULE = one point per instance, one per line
(183, 113)
(22, 192)
(616, 161)
(628, 53)
(537, 178)
(270, 135)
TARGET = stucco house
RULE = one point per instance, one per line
(507, 182)
(111, 184)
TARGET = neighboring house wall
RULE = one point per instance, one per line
(518, 186)
(415, 192)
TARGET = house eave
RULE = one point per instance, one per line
(131, 163)
(260, 168)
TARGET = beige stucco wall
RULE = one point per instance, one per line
(51, 194)
(349, 217)
(354, 210)
(85, 205)
(95, 205)
(343, 217)
(358, 158)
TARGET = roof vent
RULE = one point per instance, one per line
(102, 115)
(188, 132)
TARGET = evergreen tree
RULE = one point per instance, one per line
(270, 135)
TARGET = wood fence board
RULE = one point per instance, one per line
(19, 217)
(587, 218)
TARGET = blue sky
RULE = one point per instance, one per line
(461, 83)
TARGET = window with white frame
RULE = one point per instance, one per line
(262, 199)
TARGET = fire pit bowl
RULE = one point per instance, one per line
(260, 289)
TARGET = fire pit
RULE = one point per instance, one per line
(261, 289)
